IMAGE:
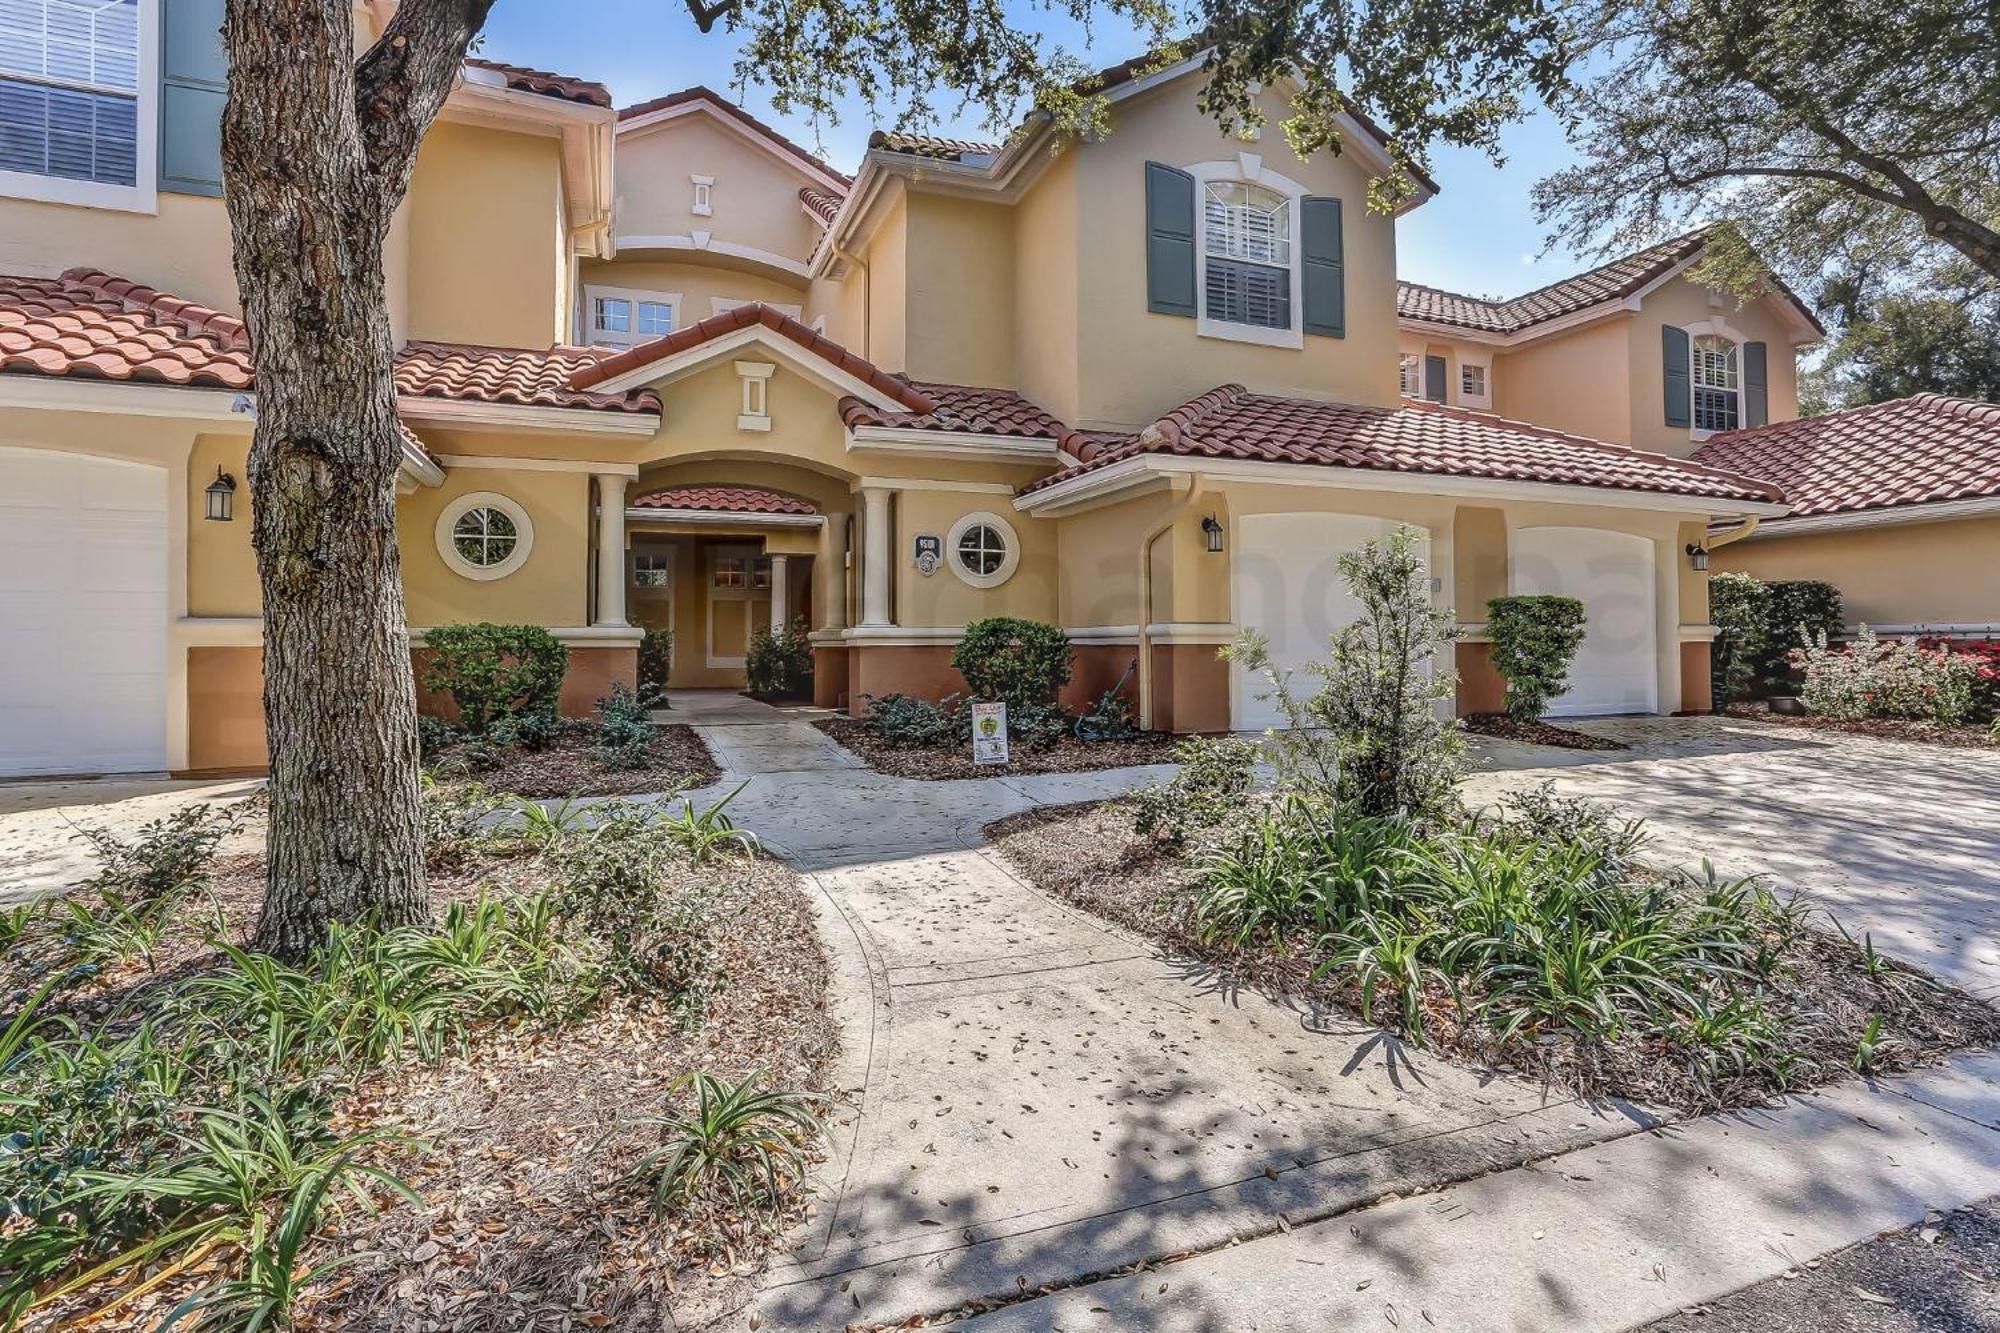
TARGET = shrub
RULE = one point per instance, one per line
(495, 671)
(656, 664)
(1800, 611)
(168, 856)
(904, 720)
(1535, 639)
(529, 731)
(1739, 607)
(1109, 719)
(1891, 678)
(742, 1143)
(625, 730)
(1022, 663)
(1373, 734)
(1209, 789)
(779, 666)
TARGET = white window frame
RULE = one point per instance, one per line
(524, 535)
(1010, 560)
(592, 294)
(1716, 328)
(1485, 369)
(1248, 168)
(1410, 374)
(143, 195)
(756, 377)
(704, 196)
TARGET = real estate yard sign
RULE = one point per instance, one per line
(989, 733)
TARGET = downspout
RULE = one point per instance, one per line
(867, 298)
(1173, 515)
(1735, 534)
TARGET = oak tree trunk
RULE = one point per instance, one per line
(317, 153)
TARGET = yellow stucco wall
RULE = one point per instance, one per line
(549, 589)
(1046, 234)
(696, 285)
(221, 564)
(1681, 303)
(960, 290)
(1906, 574)
(755, 198)
(885, 338)
(485, 238)
(944, 599)
(1578, 381)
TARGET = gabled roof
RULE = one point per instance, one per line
(523, 376)
(931, 146)
(89, 324)
(1924, 449)
(1230, 422)
(724, 500)
(961, 408)
(524, 80)
(1614, 280)
(856, 368)
(708, 97)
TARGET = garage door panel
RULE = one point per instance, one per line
(1612, 574)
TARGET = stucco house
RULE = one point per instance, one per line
(665, 367)
(1896, 504)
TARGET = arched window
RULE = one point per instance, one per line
(1247, 242)
(1718, 383)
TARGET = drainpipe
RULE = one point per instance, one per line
(867, 300)
(1735, 534)
(1173, 515)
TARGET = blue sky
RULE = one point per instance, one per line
(1478, 235)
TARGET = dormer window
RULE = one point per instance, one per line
(1247, 242)
(1718, 383)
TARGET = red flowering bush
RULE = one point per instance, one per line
(1887, 678)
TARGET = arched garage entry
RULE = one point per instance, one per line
(1611, 573)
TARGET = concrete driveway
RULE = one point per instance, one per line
(1897, 840)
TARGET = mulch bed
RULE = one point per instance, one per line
(678, 757)
(1069, 755)
(1502, 727)
(1881, 728)
(1089, 855)
(529, 1219)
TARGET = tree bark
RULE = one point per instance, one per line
(317, 154)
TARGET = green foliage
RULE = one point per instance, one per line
(1800, 611)
(495, 671)
(656, 664)
(1023, 663)
(625, 729)
(744, 1143)
(168, 856)
(452, 818)
(1372, 735)
(1535, 639)
(1739, 608)
(1214, 777)
(780, 666)
(1909, 343)
(1889, 678)
(906, 721)
(1109, 719)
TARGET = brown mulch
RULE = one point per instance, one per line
(678, 757)
(1069, 755)
(1881, 728)
(1090, 855)
(1536, 733)
(529, 1218)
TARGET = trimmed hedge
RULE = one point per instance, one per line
(1534, 641)
(1738, 607)
(1801, 611)
(779, 666)
(1025, 663)
(496, 671)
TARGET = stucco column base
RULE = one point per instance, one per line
(830, 675)
(1481, 687)
(1697, 685)
(1190, 688)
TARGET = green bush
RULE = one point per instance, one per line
(1800, 611)
(656, 664)
(1739, 606)
(906, 721)
(1535, 639)
(1208, 791)
(780, 666)
(496, 671)
(1022, 663)
(625, 730)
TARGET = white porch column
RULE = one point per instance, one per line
(875, 557)
(780, 591)
(610, 550)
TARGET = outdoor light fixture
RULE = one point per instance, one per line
(1698, 557)
(222, 497)
(1211, 528)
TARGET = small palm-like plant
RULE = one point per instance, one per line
(741, 1141)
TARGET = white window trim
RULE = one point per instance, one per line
(756, 377)
(1248, 167)
(588, 323)
(704, 196)
(143, 195)
(524, 535)
(1721, 328)
(1485, 365)
(1008, 562)
(1414, 362)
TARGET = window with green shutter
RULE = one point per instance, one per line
(1169, 240)
(194, 83)
(1323, 279)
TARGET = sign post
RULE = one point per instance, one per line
(989, 733)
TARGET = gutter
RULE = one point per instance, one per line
(1147, 623)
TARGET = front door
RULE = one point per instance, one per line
(739, 600)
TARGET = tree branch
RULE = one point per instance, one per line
(706, 15)
(402, 81)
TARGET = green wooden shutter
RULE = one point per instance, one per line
(1756, 386)
(1674, 374)
(1324, 276)
(1434, 378)
(194, 76)
(1169, 240)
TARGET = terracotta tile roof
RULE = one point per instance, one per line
(1915, 450)
(699, 93)
(597, 371)
(1231, 422)
(930, 145)
(517, 375)
(961, 407)
(92, 325)
(724, 500)
(1611, 281)
(819, 203)
(524, 80)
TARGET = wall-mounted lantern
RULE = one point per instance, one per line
(222, 497)
(1698, 557)
(1211, 528)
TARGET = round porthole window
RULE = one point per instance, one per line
(983, 550)
(484, 536)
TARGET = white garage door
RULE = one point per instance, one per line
(83, 614)
(1611, 573)
(1285, 583)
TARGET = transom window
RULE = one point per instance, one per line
(484, 536)
(732, 571)
(1247, 246)
(1718, 383)
(69, 89)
